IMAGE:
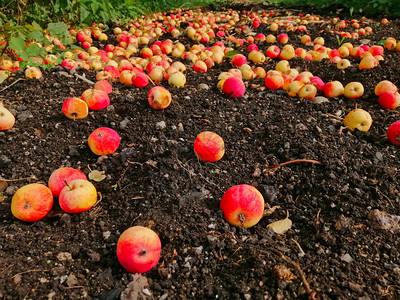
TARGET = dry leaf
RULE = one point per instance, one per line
(271, 210)
(97, 175)
(134, 289)
(283, 273)
(281, 226)
(3, 185)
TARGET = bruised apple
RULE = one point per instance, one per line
(32, 202)
(243, 205)
(58, 178)
(209, 146)
(75, 108)
(103, 141)
(358, 119)
(159, 97)
(138, 249)
(77, 195)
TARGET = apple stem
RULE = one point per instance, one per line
(66, 183)
(242, 218)
(294, 161)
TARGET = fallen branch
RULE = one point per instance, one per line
(84, 79)
(295, 161)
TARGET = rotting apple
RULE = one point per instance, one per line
(77, 195)
(353, 90)
(358, 119)
(7, 119)
(159, 97)
(75, 108)
(57, 179)
(138, 249)
(103, 141)
(209, 146)
(393, 133)
(33, 72)
(32, 202)
(242, 205)
(233, 87)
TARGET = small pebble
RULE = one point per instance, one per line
(161, 125)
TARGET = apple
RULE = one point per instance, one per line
(368, 62)
(270, 39)
(294, 87)
(140, 80)
(156, 74)
(273, 51)
(260, 72)
(236, 72)
(343, 64)
(282, 66)
(393, 133)
(242, 205)
(77, 195)
(177, 79)
(305, 39)
(333, 89)
(200, 66)
(126, 77)
(96, 99)
(138, 249)
(358, 119)
(238, 60)
(318, 82)
(353, 90)
(389, 99)
(287, 52)
(32, 202)
(33, 72)
(75, 108)
(274, 80)
(159, 97)
(283, 38)
(233, 87)
(103, 85)
(209, 146)
(308, 91)
(7, 119)
(57, 179)
(385, 85)
(104, 141)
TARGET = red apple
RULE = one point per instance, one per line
(238, 60)
(274, 80)
(243, 205)
(159, 97)
(138, 249)
(273, 51)
(333, 89)
(32, 202)
(103, 141)
(103, 85)
(96, 99)
(233, 87)
(393, 133)
(140, 80)
(58, 177)
(389, 99)
(209, 146)
(77, 195)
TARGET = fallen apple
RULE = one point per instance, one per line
(353, 90)
(75, 108)
(389, 99)
(393, 133)
(7, 119)
(233, 87)
(77, 195)
(243, 205)
(103, 141)
(358, 119)
(209, 146)
(32, 202)
(57, 179)
(159, 97)
(138, 249)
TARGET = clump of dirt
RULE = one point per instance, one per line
(333, 250)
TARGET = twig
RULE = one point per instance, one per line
(84, 78)
(335, 117)
(10, 266)
(18, 179)
(19, 79)
(298, 246)
(140, 214)
(29, 271)
(294, 161)
(72, 287)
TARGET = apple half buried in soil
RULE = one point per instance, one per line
(243, 205)
(104, 141)
(209, 146)
(32, 202)
(58, 177)
(78, 195)
(138, 249)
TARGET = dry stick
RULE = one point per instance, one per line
(83, 78)
(10, 266)
(18, 179)
(296, 160)
(72, 287)
(29, 271)
(19, 79)
(298, 246)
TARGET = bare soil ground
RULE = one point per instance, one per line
(334, 250)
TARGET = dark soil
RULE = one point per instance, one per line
(154, 179)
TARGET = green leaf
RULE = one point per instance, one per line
(36, 26)
(382, 42)
(37, 36)
(232, 53)
(17, 44)
(84, 13)
(58, 29)
(95, 7)
(34, 50)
